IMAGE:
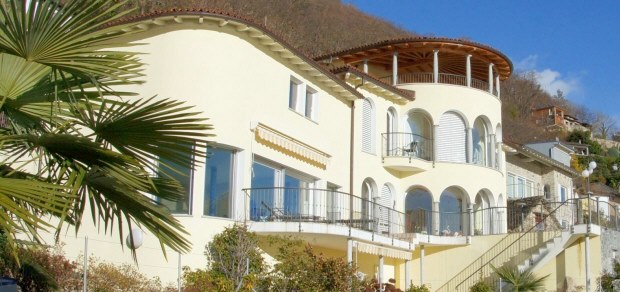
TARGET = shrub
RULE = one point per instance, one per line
(481, 286)
(421, 288)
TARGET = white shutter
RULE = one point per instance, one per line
(451, 138)
(385, 203)
(367, 116)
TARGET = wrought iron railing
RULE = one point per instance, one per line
(322, 206)
(407, 145)
(437, 223)
(444, 78)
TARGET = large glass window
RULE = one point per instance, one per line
(180, 171)
(418, 211)
(218, 183)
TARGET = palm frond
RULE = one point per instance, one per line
(68, 37)
(520, 280)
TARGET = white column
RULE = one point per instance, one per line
(500, 157)
(365, 66)
(470, 145)
(587, 247)
(380, 276)
(85, 283)
(491, 78)
(395, 68)
(435, 66)
(468, 68)
(492, 152)
(497, 85)
(407, 274)
(436, 219)
(470, 212)
(421, 264)
(350, 251)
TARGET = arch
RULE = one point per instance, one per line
(451, 138)
(364, 207)
(481, 142)
(452, 215)
(391, 129)
(486, 220)
(368, 125)
(418, 211)
(419, 134)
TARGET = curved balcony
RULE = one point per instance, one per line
(302, 205)
(444, 78)
(407, 152)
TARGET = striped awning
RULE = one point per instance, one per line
(382, 251)
(291, 146)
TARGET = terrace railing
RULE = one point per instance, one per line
(444, 78)
(407, 145)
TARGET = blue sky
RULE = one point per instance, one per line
(572, 45)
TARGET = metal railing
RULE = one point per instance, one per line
(407, 145)
(512, 249)
(489, 221)
(301, 205)
(444, 78)
(437, 223)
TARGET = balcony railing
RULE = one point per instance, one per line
(323, 206)
(445, 78)
(407, 145)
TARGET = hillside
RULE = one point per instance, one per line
(315, 27)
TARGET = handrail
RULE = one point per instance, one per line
(444, 78)
(480, 269)
(401, 144)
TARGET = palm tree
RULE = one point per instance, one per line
(520, 281)
(70, 141)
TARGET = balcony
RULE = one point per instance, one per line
(407, 152)
(443, 78)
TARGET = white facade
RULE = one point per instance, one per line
(299, 151)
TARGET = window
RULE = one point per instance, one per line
(519, 187)
(368, 123)
(278, 191)
(303, 99)
(180, 171)
(218, 183)
(563, 193)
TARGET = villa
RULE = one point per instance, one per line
(389, 155)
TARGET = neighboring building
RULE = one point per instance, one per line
(556, 150)
(388, 155)
(537, 183)
(554, 118)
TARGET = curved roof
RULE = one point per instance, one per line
(417, 53)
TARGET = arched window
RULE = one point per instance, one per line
(385, 203)
(369, 192)
(419, 137)
(451, 212)
(451, 138)
(418, 211)
(368, 125)
(486, 220)
(479, 136)
(390, 139)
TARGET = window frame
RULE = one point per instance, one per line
(303, 99)
(189, 191)
(233, 163)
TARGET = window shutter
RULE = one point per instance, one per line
(451, 139)
(367, 116)
(385, 203)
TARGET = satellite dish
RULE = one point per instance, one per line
(138, 238)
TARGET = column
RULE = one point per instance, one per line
(491, 78)
(500, 157)
(470, 145)
(434, 134)
(421, 264)
(492, 151)
(350, 251)
(407, 274)
(395, 68)
(380, 276)
(470, 212)
(497, 85)
(436, 218)
(365, 66)
(436, 66)
(468, 68)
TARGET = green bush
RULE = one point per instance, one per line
(421, 288)
(481, 286)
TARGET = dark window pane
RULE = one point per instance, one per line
(218, 182)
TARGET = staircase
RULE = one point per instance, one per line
(527, 249)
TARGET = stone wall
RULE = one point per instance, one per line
(610, 248)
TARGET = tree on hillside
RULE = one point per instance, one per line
(70, 141)
(603, 125)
